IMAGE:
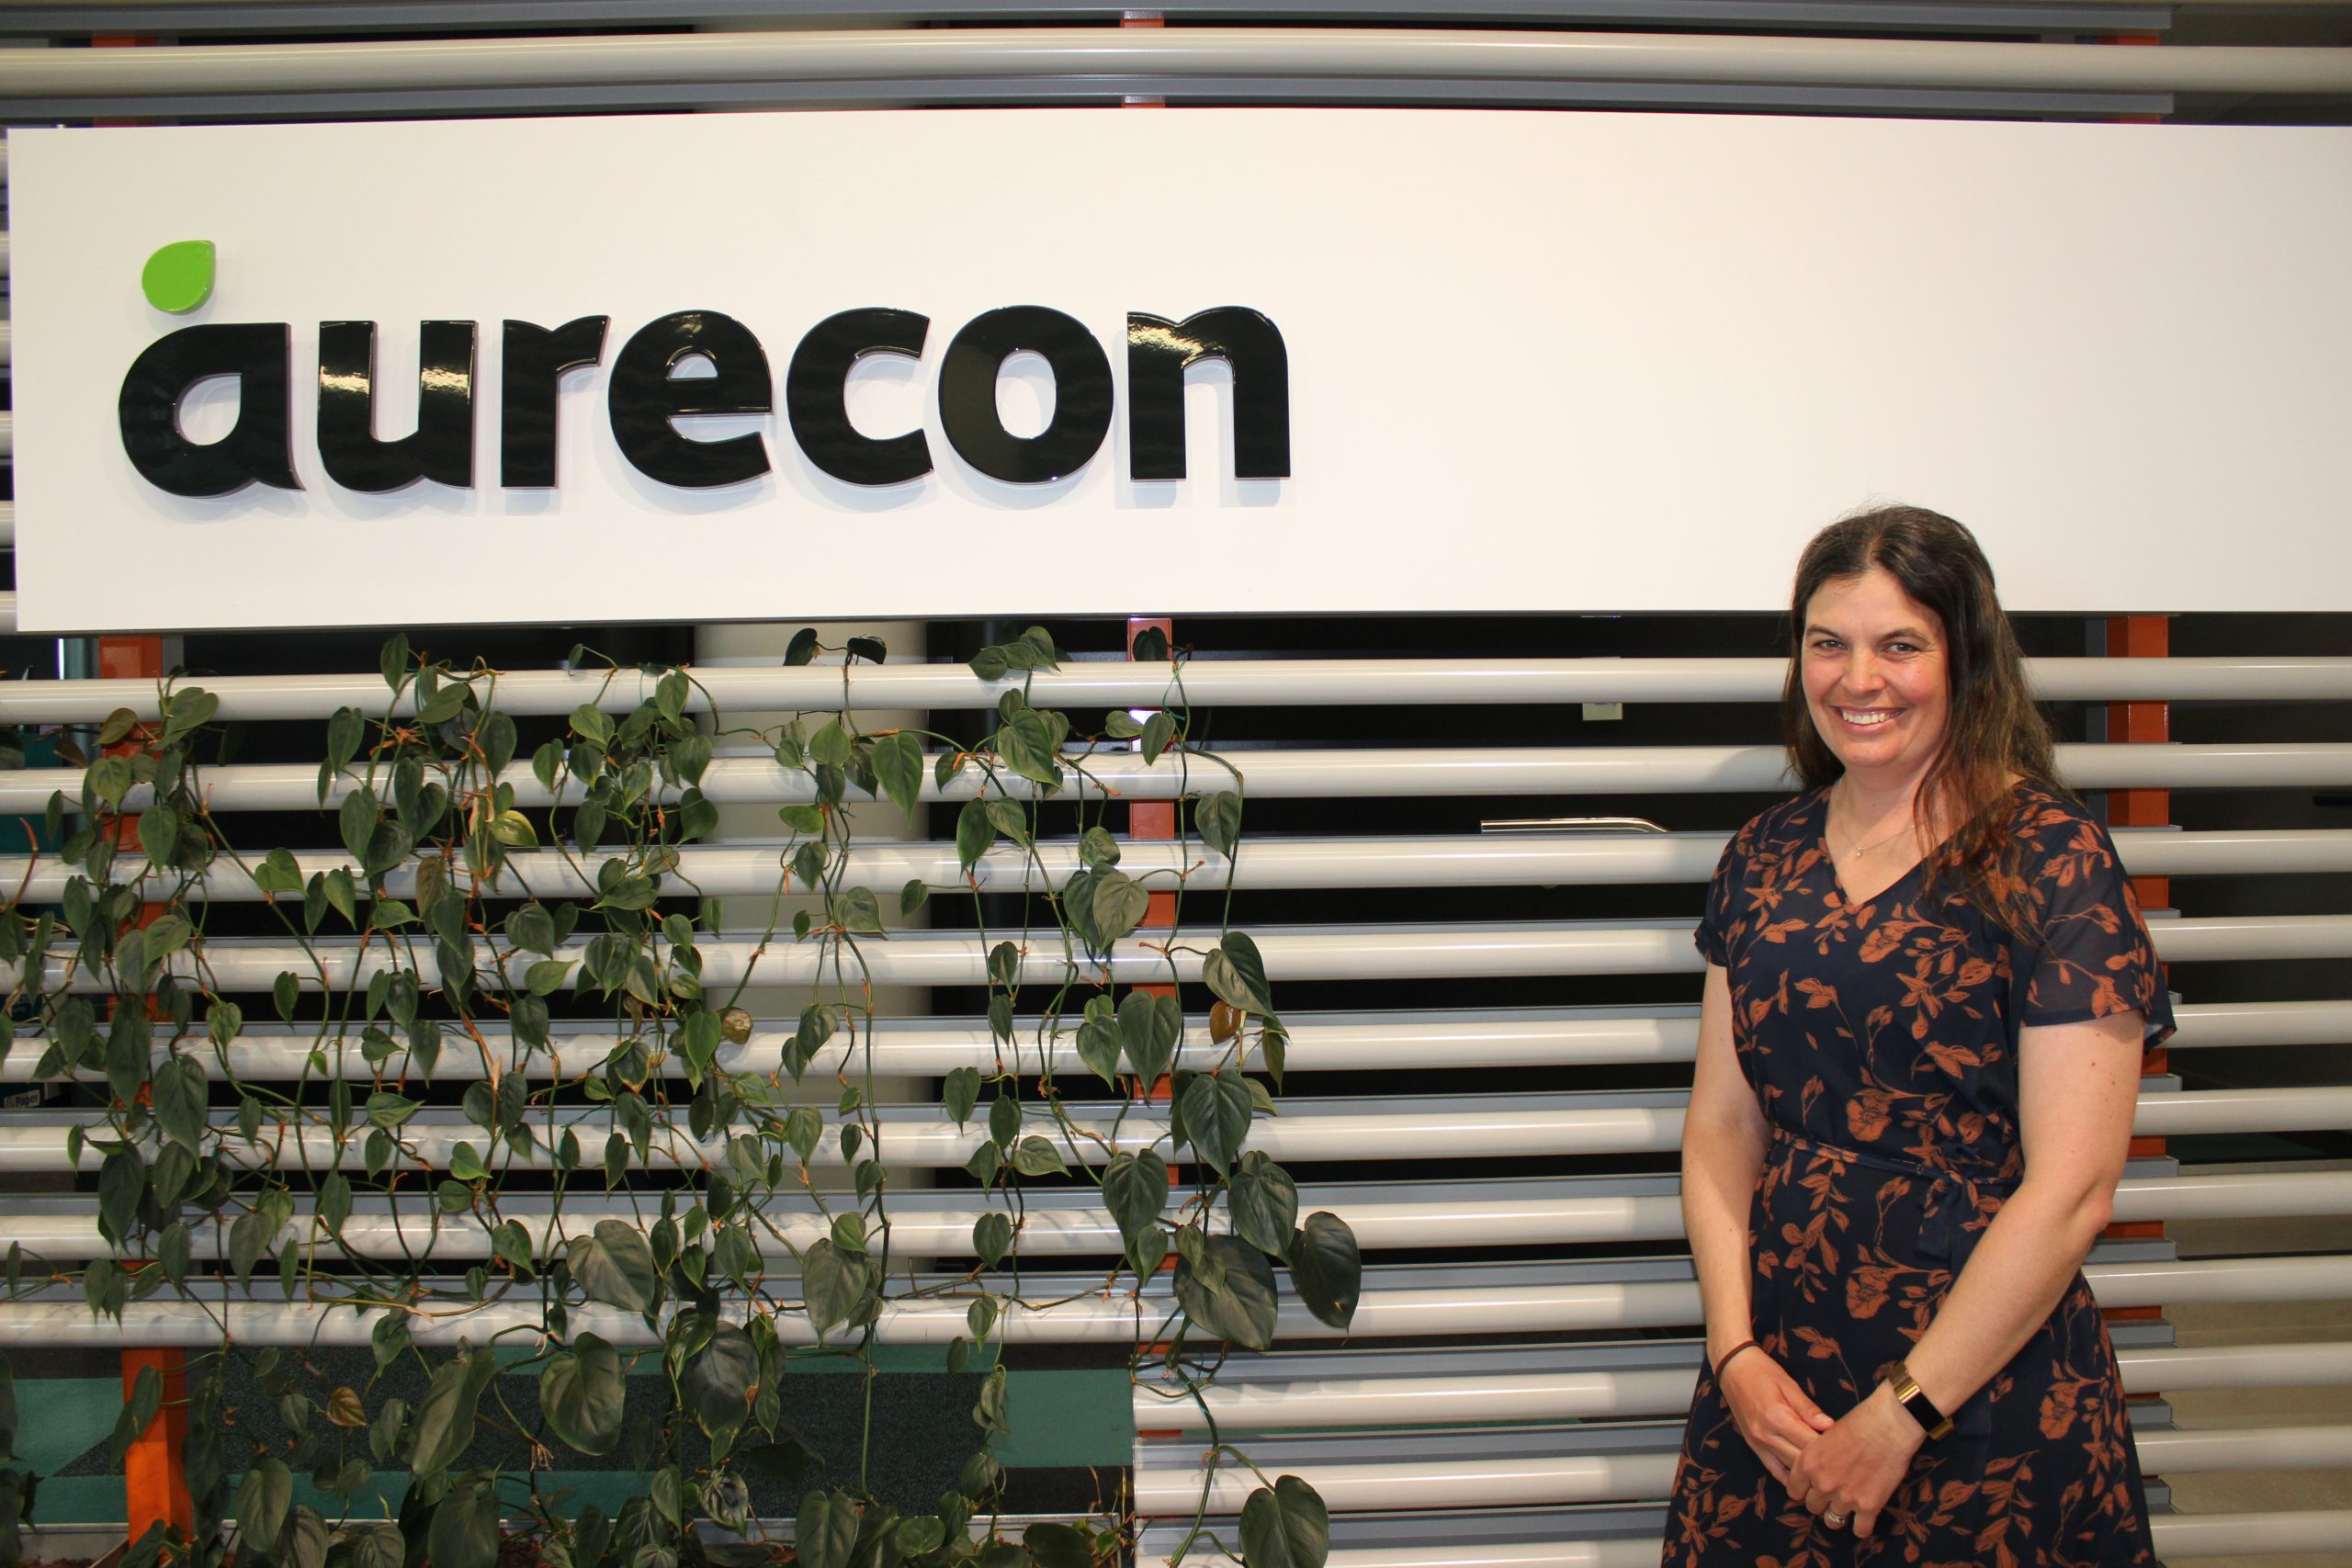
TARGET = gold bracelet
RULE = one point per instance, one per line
(1913, 1398)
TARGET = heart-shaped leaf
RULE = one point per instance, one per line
(1098, 1047)
(897, 763)
(445, 1418)
(1237, 973)
(974, 834)
(719, 1381)
(1264, 1201)
(1327, 1268)
(825, 1534)
(991, 1238)
(1150, 1026)
(1119, 903)
(1218, 818)
(1215, 1107)
(962, 1092)
(464, 1532)
(1285, 1526)
(1054, 1545)
(263, 1498)
(1135, 1186)
(1229, 1290)
(616, 1266)
(580, 1390)
(833, 1282)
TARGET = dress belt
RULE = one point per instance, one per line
(1954, 1198)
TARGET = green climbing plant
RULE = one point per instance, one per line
(530, 928)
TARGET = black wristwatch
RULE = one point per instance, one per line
(1908, 1393)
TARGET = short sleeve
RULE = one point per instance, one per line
(1713, 936)
(2093, 958)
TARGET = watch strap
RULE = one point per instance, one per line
(1913, 1398)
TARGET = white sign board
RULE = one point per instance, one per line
(1536, 361)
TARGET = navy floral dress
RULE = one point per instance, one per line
(1881, 1041)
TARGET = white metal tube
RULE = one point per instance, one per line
(1607, 1553)
(918, 1228)
(192, 15)
(1512, 1306)
(1240, 1403)
(934, 1047)
(2182, 1536)
(2161, 852)
(1295, 775)
(2207, 1280)
(1404, 1040)
(2299, 1107)
(1607, 1477)
(163, 1324)
(949, 958)
(2246, 1447)
(1299, 953)
(2179, 1538)
(1593, 1478)
(2173, 1368)
(1175, 1487)
(1234, 683)
(1472, 861)
(2216, 1195)
(981, 54)
(2226, 1024)
(1436, 1126)
(1382, 1219)
(924, 1135)
(2212, 938)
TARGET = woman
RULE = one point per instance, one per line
(1928, 990)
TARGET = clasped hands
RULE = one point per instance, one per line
(1843, 1470)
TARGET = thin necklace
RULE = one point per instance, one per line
(1860, 850)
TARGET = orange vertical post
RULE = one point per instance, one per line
(1136, 18)
(154, 1479)
(2141, 636)
(154, 1487)
(1155, 820)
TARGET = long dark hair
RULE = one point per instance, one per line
(1993, 728)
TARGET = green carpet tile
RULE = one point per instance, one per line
(1072, 1431)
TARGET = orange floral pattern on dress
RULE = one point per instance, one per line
(1881, 1038)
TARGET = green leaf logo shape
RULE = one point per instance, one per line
(178, 277)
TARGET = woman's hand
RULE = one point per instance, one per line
(1770, 1411)
(1854, 1467)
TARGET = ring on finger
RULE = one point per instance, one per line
(1836, 1521)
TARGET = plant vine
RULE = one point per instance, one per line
(530, 928)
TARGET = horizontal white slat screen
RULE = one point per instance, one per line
(1514, 1405)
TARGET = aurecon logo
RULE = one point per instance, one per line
(644, 396)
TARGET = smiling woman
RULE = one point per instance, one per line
(1928, 989)
(1906, 699)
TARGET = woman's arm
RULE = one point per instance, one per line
(2077, 1085)
(1723, 1153)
